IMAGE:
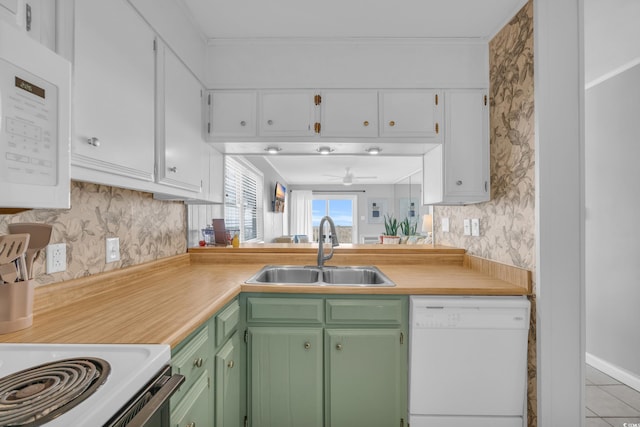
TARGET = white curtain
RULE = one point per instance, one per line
(300, 210)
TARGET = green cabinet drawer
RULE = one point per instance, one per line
(195, 408)
(364, 311)
(285, 310)
(227, 322)
(191, 361)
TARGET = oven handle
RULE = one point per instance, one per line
(155, 403)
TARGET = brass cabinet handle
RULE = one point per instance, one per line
(366, 123)
(437, 128)
(307, 345)
(392, 123)
(93, 141)
(191, 424)
(243, 123)
(198, 362)
(338, 346)
(230, 364)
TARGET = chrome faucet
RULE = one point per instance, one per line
(334, 241)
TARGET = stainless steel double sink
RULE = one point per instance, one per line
(367, 276)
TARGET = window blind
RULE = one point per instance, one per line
(243, 208)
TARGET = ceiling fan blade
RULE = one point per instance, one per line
(365, 177)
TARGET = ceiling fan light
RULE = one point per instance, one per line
(325, 150)
(373, 150)
(273, 149)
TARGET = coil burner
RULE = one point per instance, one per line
(39, 394)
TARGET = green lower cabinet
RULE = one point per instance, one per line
(194, 408)
(286, 381)
(364, 374)
(227, 392)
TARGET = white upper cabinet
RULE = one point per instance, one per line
(114, 93)
(179, 135)
(287, 113)
(349, 113)
(457, 172)
(232, 113)
(411, 113)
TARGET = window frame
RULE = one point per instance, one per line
(247, 173)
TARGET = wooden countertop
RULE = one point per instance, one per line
(164, 301)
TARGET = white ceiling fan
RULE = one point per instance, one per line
(348, 178)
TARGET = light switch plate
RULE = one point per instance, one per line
(467, 227)
(113, 249)
(445, 225)
(475, 227)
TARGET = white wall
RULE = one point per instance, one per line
(351, 63)
(612, 222)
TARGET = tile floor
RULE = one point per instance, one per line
(609, 402)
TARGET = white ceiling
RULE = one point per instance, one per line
(319, 169)
(351, 18)
(330, 19)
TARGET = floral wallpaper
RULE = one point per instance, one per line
(507, 221)
(148, 229)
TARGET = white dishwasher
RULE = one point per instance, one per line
(468, 361)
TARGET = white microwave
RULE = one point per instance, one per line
(35, 123)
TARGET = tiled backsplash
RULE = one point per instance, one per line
(148, 229)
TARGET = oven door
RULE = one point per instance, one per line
(150, 407)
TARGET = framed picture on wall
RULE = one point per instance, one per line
(376, 210)
(409, 208)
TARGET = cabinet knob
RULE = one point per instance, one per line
(243, 123)
(366, 123)
(269, 122)
(191, 424)
(231, 364)
(458, 182)
(338, 346)
(392, 123)
(198, 362)
(94, 141)
(307, 345)
(173, 169)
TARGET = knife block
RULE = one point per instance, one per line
(16, 306)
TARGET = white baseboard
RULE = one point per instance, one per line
(624, 376)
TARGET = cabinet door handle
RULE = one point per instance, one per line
(230, 364)
(366, 123)
(338, 346)
(93, 141)
(198, 362)
(437, 128)
(307, 345)
(191, 424)
(269, 122)
(392, 123)
(173, 169)
(243, 123)
(458, 182)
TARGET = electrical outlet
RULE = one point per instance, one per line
(445, 225)
(475, 227)
(113, 249)
(467, 227)
(56, 258)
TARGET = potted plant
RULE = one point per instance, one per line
(408, 227)
(390, 235)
